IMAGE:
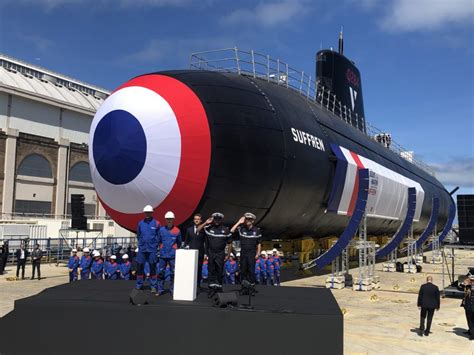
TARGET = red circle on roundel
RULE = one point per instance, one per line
(193, 171)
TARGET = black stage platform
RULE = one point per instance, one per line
(92, 317)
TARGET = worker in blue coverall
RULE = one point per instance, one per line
(113, 269)
(147, 235)
(169, 239)
(125, 268)
(205, 270)
(263, 267)
(258, 271)
(97, 266)
(230, 268)
(270, 269)
(277, 267)
(85, 265)
(73, 265)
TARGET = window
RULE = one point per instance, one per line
(35, 165)
(33, 207)
(80, 172)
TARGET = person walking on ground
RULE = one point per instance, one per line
(468, 305)
(428, 301)
(21, 255)
(36, 256)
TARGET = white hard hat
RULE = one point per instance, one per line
(136, 250)
(232, 255)
(147, 208)
(274, 250)
(263, 252)
(74, 250)
(238, 254)
(85, 250)
(95, 253)
(113, 257)
(125, 256)
(169, 214)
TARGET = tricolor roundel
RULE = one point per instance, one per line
(150, 145)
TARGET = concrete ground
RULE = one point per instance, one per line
(385, 321)
(376, 322)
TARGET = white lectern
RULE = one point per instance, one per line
(185, 275)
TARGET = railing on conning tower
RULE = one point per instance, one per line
(257, 65)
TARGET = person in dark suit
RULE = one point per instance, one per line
(194, 239)
(21, 255)
(468, 305)
(428, 301)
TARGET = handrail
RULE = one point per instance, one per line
(257, 65)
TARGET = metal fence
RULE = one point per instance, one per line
(59, 249)
(257, 65)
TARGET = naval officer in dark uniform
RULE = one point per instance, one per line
(250, 245)
(218, 238)
(194, 239)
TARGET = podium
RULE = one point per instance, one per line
(185, 275)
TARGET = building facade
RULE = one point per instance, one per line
(44, 132)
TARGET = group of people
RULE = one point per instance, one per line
(267, 269)
(210, 238)
(429, 301)
(21, 255)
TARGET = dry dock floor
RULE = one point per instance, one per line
(376, 322)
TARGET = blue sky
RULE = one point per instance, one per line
(415, 56)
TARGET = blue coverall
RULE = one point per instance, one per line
(258, 270)
(112, 270)
(73, 264)
(270, 270)
(277, 268)
(263, 270)
(205, 271)
(169, 239)
(97, 269)
(147, 235)
(125, 269)
(230, 269)
(85, 265)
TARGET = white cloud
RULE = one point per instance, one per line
(420, 15)
(178, 49)
(52, 4)
(269, 14)
(456, 172)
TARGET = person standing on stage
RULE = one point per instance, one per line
(169, 239)
(147, 235)
(112, 269)
(21, 255)
(277, 267)
(73, 265)
(194, 239)
(218, 237)
(36, 256)
(250, 246)
(85, 265)
(428, 301)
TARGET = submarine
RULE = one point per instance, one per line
(254, 136)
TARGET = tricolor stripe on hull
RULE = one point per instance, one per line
(388, 195)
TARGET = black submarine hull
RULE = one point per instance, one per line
(257, 166)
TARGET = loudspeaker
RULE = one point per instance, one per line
(139, 297)
(225, 299)
(79, 221)
(466, 218)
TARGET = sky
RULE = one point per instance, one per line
(415, 56)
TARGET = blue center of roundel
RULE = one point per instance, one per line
(119, 147)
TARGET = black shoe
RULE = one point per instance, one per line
(32, 278)
(466, 332)
(426, 333)
(420, 333)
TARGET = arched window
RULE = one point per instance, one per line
(80, 172)
(35, 165)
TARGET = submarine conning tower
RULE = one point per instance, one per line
(338, 76)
